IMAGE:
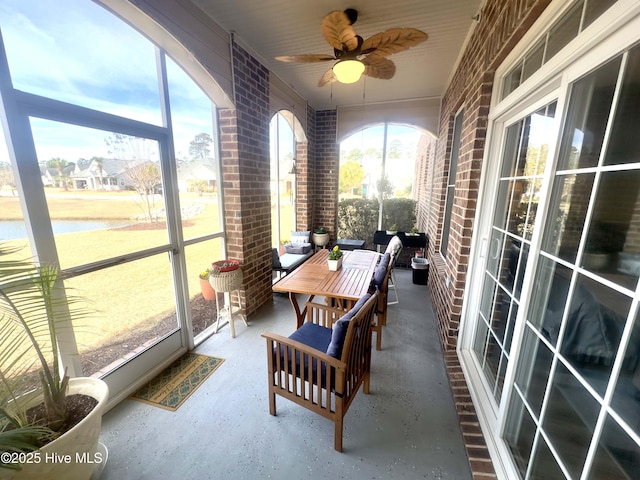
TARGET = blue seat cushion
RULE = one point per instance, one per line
(381, 271)
(314, 336)
(340, 328)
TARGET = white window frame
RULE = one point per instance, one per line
(615, 31)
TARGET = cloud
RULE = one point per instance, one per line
(71, 49)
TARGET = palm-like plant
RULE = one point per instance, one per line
(34, 307)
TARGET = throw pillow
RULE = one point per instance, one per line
(339, 331)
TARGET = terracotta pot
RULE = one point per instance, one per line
(207, 290)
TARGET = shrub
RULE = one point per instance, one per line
(358, 218)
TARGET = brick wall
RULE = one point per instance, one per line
(423, 180)
(325, 204)
(305, 178)
(500, 27)
(245, 165)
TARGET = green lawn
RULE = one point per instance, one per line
(131, 297)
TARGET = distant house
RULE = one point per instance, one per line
(110, 174)
(51, 177)
(197, 176)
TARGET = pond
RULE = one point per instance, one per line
(16, 229)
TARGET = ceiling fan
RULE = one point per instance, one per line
(354, 55)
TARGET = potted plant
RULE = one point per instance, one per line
(334, 259)
(49, 423)
(393, 229)
(208, 293)
(413, 232)
(320, 237)
(598, 253)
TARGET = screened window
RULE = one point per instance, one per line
(109, 179)
(451, 183)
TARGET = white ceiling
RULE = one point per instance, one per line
(268, 28)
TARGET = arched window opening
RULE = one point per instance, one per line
(378, 167)
(283, 146)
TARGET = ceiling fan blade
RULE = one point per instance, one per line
(327, 78)
(379, 67)
(310, 58)
(393, 40)
(337, 31)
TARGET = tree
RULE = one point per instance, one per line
(6, 176)
(354, 155)
(146, 178)
(99, 161)
(395, 150)
(59, 164)
(83, 163)
(136, 155)
(351, 176)
(199, 147)
(385, 187)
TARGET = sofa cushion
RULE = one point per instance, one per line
(314, 336)
(381, 271)
(297, 248)
(300, 237)
(339, 332)
(275, 259)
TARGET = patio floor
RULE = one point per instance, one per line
(407, 428)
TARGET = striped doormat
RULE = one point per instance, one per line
(178, 381)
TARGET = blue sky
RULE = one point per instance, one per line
(78, 52)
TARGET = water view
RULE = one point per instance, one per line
(16, 229)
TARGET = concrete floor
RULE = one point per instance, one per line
(407, 428)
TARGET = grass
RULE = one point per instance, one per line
(135, 296)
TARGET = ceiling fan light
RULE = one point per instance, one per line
(348, 71)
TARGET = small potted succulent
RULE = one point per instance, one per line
(334, 259)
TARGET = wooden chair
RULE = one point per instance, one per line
(380, 284)
(322, 364)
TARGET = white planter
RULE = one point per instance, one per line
(320, 239)
(75, 455)
(596, 261)
(334, 265)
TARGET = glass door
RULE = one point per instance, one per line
(520, 180)
(575, 406)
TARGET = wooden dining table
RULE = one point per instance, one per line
(313, 278)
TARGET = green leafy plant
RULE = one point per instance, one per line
(393, 228)
(335, 253)
(414, 230)
(34, 307)
(320, 230)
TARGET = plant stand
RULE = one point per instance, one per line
(228, 283)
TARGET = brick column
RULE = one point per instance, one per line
(325, 206)
(245, 166)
